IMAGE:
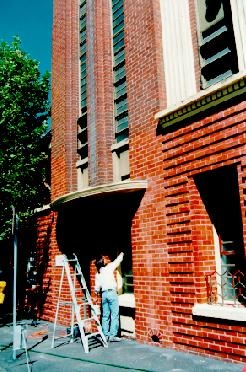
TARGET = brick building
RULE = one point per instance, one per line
(148, 157)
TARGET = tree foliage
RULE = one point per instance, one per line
(24, 110)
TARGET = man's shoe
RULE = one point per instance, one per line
(114, 339)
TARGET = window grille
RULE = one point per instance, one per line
(83, 55)
(226, 288)
(82, 137)
(218, 55)
(82, 149)
(82, 121)
(128, 282)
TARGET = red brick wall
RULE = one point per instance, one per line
(65, 97)
(47, 249)
(65, 113)
(145, 90)
(172, 238)
(100, 95)
(45, 229)
(216, 141)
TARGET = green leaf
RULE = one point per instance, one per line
(24, 110)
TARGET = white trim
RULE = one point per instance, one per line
(82, 162)
(217, 261)
(221, 312)
(238, 9)
(59, 260)
(119, 145)
(177, 48)
(41, 209)
(127, 300)
(203, 94)
(111, 188)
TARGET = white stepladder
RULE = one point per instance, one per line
(80, 301)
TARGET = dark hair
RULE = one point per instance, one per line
(99, 263)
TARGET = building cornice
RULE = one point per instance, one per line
(204, 101)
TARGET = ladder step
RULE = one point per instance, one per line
(84, 303)
(60, 337)
(65, 302)
(71, 260)
(87, 319)
(93, 334)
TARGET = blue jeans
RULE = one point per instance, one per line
(110, 313)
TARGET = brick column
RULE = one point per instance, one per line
(99, 92)
(65, 96)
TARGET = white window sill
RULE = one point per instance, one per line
(218, 311)
(82, 162)
(127, 300)
(119, 145)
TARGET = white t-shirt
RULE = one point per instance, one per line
(105, 278)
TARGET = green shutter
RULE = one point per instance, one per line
(83, 54)
(120, 89)
(82, 122)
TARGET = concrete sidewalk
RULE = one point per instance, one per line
(125, 355)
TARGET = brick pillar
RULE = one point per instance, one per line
(65, 96)
(99, 92)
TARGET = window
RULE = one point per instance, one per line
(83, 56)
(220, 194)
(218, 54)
(82, 164)
(120, 153)
(128, 282)
(82, 170)
(125, 275)
(120, 150)
(82, 137)
(120, 91)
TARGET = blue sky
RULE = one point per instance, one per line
(31, 20)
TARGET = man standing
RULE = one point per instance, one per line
(106, 284)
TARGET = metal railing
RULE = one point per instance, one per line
(226, 288)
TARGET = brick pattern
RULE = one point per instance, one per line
(52, 273)
(65, 97)
(171, 224)
(45, 238)
(100, 93)
(216, 141)
(145, 81)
